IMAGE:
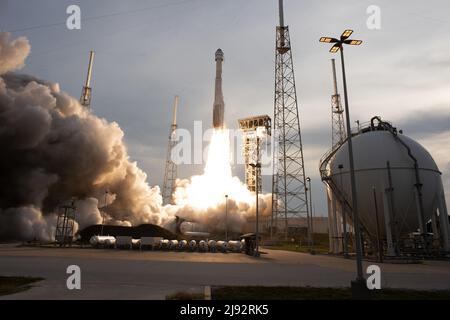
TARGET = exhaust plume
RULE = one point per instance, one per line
(53, 150)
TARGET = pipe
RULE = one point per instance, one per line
(281, 12)
(418, 184)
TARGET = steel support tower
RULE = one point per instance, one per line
(289, 191)
(64, 224)
(170, 174)
(249, 128)
(85, 99)
(337, 114)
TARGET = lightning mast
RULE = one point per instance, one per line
(85, 99)
(337, 114)
(170, 174)
(289, 191)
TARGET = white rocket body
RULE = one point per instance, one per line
(219, 104)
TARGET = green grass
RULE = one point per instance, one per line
(311, 293)
(301, 244)
(10, 285)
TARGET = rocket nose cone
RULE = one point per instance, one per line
(219, 54)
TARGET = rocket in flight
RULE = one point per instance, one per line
(219, 105)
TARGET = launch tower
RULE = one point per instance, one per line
(289, 192)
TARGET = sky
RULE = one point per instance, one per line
(148, 51)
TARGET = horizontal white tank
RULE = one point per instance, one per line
(235, 246)
(173, 244)
(182, 245)
(164, 244)
(192, 245)
(106, 241)
(212, 245)
(203, 245)
(222, 246)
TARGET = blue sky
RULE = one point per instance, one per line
(148, 51)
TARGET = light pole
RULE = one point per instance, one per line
(310, 227)
(260, 131)
(103, 214)
(339, 45)
(226, 217)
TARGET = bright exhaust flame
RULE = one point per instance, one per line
(209, 190)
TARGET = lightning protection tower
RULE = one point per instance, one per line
(85, 99)
(289, 192)
(170, 174)
(337, 116)
(64, 224)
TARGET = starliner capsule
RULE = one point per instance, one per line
(219, 104)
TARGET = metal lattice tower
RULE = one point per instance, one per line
(85, 99)
(337, 114)
(289, 191)
(249, 127)
(64, 224)
(170, 174)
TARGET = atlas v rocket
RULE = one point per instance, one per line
(219, 105)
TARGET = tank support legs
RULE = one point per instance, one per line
(388, 226)
(443, 220)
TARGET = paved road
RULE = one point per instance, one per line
(115, 274)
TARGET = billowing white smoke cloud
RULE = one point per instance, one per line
(53, 150)
(12, 52)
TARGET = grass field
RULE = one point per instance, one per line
(320, 244)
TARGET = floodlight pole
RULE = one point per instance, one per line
(226, 217)
(359, 269)
(258, 165)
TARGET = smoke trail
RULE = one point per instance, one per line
(53, 149)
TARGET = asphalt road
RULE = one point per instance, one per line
(117, 274)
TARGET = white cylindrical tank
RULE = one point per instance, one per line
(372, 151)
(212, 244)
(203, 245)
(222, 246)
(173, 244)
(102, 241)
(164, 244)
(192, 245)
(235, 246)
(182, 245)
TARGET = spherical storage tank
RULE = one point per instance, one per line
(373, 148)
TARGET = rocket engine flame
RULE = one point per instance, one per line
(202, 198)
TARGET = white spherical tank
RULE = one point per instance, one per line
(372, 151)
